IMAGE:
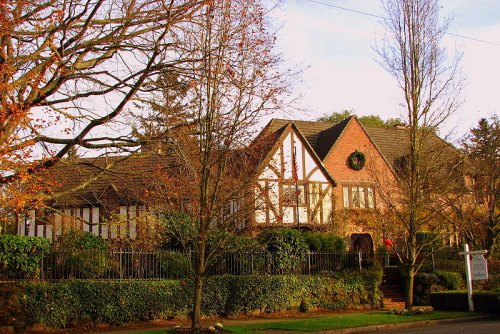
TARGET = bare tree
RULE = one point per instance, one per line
(237, 81)
(68, 69)
(430, 84)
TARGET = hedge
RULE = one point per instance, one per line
(484, 301)
(117, 302)
(425, 283)
(20, 255)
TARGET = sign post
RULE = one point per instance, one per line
(480, 270)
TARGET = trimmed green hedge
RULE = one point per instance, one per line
(425, 283)
(20, 255)
(485, 301)
(118, 302)
(287, 246)
(321, 242)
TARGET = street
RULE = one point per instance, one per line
(480, 326)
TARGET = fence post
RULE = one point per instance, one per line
(120, 266)
(309, 263)
(432, 260)
(42, 269)
(251, 262)
(360, 255)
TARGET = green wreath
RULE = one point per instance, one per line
(357, 160)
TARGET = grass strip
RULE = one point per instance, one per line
(350, 320)
(341, 321)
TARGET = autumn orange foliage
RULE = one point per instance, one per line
(68, 68)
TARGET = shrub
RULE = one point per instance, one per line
(118, 302)
(180, 231)
(449, 300)
(76, 239)
(486, 301)
(287, 246)
(426, 283)
(175, 264)
(450, 280)
(244, 244)
(20, 255)
(491, 284)
(423, 285)
(321, 242)
(81, 254)
(11, 310)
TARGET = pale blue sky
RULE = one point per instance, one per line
(336, 48)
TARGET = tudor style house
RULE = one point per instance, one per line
(364, 162)
(312, 175)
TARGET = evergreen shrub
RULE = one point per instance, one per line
(65, 304)
(484, 301)
(20, 255)
(328, 243)
(287, 246)
(80, 255)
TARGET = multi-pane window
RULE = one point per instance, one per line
(293, 195)
(362, 197)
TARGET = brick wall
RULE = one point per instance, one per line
(376, 173)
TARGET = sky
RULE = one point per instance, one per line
(335, 48)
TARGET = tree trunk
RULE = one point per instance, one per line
(410, 279)
(198, 285)
(411, 265)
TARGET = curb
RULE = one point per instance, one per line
(414, 324)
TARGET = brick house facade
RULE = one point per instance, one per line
(334, 195)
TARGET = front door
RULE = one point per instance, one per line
(362, 242)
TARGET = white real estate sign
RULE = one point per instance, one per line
(470, 267)
(479, 267)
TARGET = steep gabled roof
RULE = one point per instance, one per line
(321, 136)
(126, 182)
(394, 144)
(329, 137)
(276, 131)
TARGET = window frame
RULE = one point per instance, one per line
(289, 197)
(350, 201)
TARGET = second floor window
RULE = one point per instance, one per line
(291, 197)
(362, 197)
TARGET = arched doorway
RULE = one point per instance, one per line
(362, 242)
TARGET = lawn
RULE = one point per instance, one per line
(348, 320)
(342, 321)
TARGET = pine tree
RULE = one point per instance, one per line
(482, 147)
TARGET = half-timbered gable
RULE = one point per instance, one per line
(292, 185)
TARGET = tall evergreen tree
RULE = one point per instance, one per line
(482, 148)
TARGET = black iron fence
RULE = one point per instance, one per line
(446, 259)
(126, 264)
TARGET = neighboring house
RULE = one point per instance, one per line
(90, 196)
(309, 175)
